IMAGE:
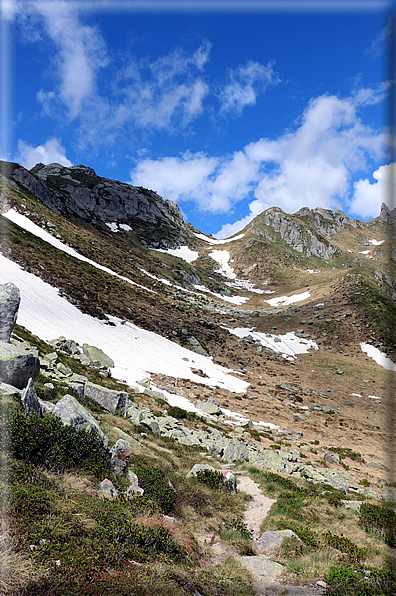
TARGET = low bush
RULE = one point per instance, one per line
(380, 519)
(155, 484)
(345, 581)
(214, 480)
(352, 552)
(181, 414)
(46, 442)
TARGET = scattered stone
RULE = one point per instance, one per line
(134, 487)
(208, 407)
(376, 464)
(30, 400)
(331, 458)
(107, 489)
(120, 453)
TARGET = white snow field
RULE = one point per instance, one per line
(289, 345)
(183, 252)
(379, 357)
(136, 352)
(222, 257)
(287, 300)
(376, 242)
(215, 241)
(24, 222)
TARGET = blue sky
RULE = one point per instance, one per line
(226, 107)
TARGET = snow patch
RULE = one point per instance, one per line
(112, 225)
(136, 352)
(215, 241)
(238, 300)
(288, 345)
(378, 356)
(183, 252)
(287, 300)
(364, 252)
(125, 227)
(376, 242)
(373, 397)
(355, 394)
(222, 257)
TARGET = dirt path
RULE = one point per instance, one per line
(257, 509)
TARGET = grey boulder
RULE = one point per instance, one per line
(208, 407)
(72, 413)
(109, 399)
(29, 399)
(97, 357)
(107, 489)
(17, 365)
(120, 453)
(133, 488)
(271, 540)
(9, 304)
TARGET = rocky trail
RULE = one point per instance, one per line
(266, 573)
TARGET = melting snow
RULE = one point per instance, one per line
(238, 300)
(112, 225)
(289, 344)
(135, 351)
(376, 242)
(183, 252)
(125, 227)
(364, 252)
(373, 397)
(215, 241)
(378, 356)
(286, 300)
(25, 223)
(222, 257)
(355, 394)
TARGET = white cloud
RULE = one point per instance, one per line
(311, 166)
(368, 197)
(245, 83)
(81, 52)
(51, 152)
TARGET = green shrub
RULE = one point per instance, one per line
(353, 553)
(380, 519)
(181, 414)
(48, 443)
(152, 479)
(214, 480)
(345, 581)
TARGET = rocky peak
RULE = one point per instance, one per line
(79, 191)
(386, 214)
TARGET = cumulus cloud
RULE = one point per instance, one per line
(368, 197)
(81, 53)
(51, 152)
(244, 84)
(312, 166)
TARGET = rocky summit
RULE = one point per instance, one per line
(188, 415)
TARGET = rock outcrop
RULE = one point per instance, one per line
(17, 365)
(72, 413)
(9, 304)
(299, 235)
(78, 191)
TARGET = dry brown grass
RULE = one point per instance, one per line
(181, 538)
(16, 571)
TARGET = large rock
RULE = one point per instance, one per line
(109, 399)
(17, 365)
(133, 488)
(107, 489)
(72, 413)
(235, 451)
(271, 540)
(208, 407)
(9, 304)
(97, 357)
(120, 454)
(29, 399)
